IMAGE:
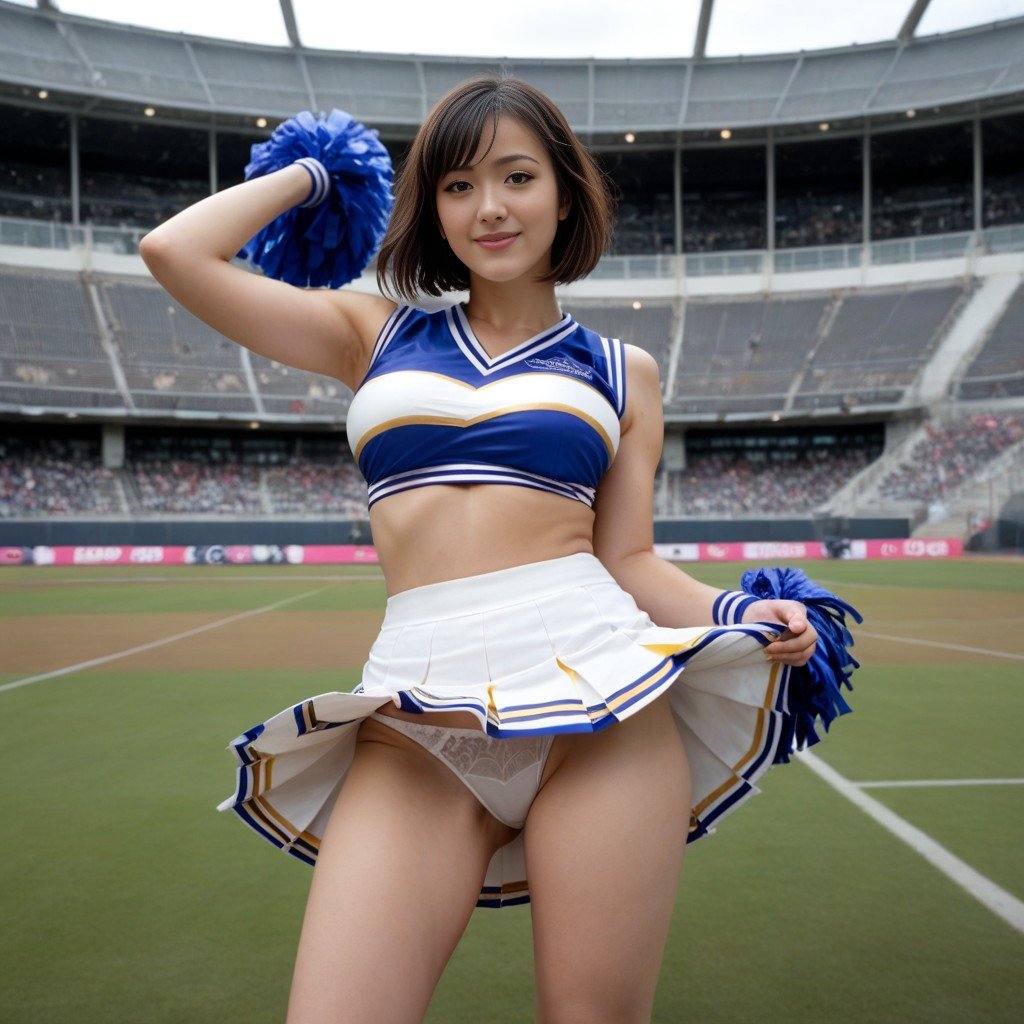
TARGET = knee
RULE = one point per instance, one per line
(589, 1009)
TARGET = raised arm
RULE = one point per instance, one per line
(322, 330)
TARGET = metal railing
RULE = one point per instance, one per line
(40, 234)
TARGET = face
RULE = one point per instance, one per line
(500, 214)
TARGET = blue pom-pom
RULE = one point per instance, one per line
(815, 689)
(330, 244)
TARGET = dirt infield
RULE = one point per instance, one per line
(275, 639)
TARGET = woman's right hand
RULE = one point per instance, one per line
(321, 330)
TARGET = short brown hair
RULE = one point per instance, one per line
(413, 253)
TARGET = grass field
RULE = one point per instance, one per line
(127, 898)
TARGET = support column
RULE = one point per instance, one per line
(113, 445)
(979, 179)
(677, 194)
(211, 142)
(866, 188)
(76, 183)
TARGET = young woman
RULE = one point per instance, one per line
(520, 715)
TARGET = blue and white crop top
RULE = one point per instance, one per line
(435, 408)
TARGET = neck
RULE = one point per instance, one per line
(525, 305)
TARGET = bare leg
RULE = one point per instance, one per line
(604, 847)
(397, 877)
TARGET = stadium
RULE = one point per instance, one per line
(824, 252)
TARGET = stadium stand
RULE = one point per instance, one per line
(997, 371)
(876, 344)
(951, 454)
(51, 352)
(744, 484)
(743, 355)
(181, 473)
(171, 359)
(54, 475)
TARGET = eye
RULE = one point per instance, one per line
(520, 174)
(452, 187)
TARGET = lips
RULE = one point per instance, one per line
(497, 241)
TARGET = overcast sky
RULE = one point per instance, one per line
(549, 28)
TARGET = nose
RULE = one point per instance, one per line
(491, 206)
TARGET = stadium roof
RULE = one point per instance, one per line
(106, 65)
(570, 28)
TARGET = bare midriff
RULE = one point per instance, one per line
(448, 531)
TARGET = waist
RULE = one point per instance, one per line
(444, 532)
(500, 588)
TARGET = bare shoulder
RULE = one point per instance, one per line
(643, 384)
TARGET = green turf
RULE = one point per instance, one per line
(128, 598)
(938, 574)
(128, 898)
(982, 825)
(931, 722)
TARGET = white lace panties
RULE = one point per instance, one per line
(503, 774)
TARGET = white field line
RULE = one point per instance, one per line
(937, 643)
(899, 783)
(990, 895)
(187, 579)
(92, 663)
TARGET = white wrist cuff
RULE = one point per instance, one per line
(321, 180)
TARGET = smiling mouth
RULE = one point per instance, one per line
(497, 243)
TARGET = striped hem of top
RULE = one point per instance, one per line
(466, 472)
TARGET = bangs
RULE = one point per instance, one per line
(456, 135)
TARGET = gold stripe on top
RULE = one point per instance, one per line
(452, 421)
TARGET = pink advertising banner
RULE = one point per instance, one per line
(768, 552)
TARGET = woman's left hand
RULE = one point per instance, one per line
(796, 645)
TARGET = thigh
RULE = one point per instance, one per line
(604, 846)
(397, 877)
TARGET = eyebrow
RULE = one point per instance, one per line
(510, 159)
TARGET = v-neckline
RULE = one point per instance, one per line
(466, 337)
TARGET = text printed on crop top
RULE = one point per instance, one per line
(435, 408)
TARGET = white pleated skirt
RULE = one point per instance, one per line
(544, 648)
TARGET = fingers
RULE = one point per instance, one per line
(793, 648)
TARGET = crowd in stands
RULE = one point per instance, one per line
(734, 484)
(950, 454)
(303, 487)
(723, 224)
(921, 210)
(805, 221)
(42, 193)
(1004, 204)
(197, 488)
(57, 478)
(50, 479)
(36, 192)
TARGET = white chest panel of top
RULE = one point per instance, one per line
(408, 397)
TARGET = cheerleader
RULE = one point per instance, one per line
(550, 711)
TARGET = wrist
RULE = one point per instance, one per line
(730, 606)
(318, 179)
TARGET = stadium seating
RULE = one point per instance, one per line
(743, 355)
(51, 352)
(951, 454)
(997, 371)
(877, 344)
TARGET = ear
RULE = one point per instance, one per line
(566, 206)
